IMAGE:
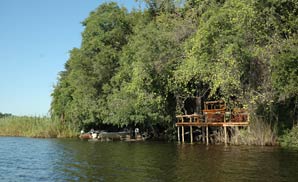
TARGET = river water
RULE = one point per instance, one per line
(28, 159)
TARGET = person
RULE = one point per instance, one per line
(136, 131)
(94, 133)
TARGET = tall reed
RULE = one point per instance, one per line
(42, 127)
(259, 132)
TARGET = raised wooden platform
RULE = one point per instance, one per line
(215, 119)
(214, 114)
(212, 124)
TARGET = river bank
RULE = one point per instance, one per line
(37, 127)
(259, 133)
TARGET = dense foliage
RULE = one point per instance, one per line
(134, 67)
(290, 138)
(3, 115)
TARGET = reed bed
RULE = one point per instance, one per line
(40, 127)
(259, 132)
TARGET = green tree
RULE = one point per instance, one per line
(134, 67)
(138, 92)
(78, 93)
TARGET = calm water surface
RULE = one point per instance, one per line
(27, 159)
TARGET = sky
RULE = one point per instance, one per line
(35, 39)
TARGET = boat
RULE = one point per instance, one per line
(113, 136)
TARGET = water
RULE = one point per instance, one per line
(27, 159)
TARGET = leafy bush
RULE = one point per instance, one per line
(290, 138)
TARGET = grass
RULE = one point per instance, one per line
(259, 132)
(41, 127)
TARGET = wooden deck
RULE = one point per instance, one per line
(212, 124)
(214, 114)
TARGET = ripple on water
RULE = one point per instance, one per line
(27, 159)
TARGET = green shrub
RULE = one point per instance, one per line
(290, 138)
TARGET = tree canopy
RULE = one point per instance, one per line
(133, 66)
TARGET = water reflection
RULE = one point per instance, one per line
(237, 163)
(118, 161)
(25, 159)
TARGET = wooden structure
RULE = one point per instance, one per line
(215, 114)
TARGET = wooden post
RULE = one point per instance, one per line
(206, 128)
(190, 131)
(225, 131)
(203, 134)
(236, 134)
(191, 135)
(182, 127)
(248, 119)
(207, 136)
(178, 134)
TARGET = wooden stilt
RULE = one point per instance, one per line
(191, 135)
(178, 134)
(225, 129)
(236, 134)
(248, 120)
(225, 132)
(203, 134)
(190, 131)
(207, 136)
(182, 128)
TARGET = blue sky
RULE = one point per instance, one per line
(35, 37)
